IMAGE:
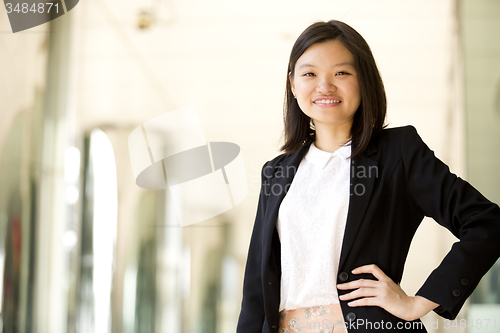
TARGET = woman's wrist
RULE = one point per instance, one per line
(422, 306)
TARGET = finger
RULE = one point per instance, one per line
(359, 284)
(373, 269)
(361, 292)
(368, 301)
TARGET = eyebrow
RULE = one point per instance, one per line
(337, 65)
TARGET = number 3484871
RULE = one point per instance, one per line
(25, 8)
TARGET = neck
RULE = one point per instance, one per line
(331, 139)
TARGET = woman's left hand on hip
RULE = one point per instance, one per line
(385, 293)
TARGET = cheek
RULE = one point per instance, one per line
(297, 89)
(355, 93)
(301, 88)
(358, 96)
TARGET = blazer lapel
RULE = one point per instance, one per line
(364, 172)
(280, 183)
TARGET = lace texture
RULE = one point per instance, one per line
(311, 224)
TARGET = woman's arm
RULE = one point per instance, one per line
(252, 306)
(456, 205)
(459, 207)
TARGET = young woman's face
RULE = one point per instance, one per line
(326, 85)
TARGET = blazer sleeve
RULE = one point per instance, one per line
(456, 205)
(252, 315)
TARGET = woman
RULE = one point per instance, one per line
(329, 256)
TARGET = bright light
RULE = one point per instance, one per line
(69, 239)
(105, 216)
(71, 194)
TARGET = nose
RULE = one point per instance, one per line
(326, 85)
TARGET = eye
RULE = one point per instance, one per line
(342, 73)
(309, 74)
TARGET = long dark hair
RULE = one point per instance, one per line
(368, 120)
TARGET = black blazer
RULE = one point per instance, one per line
(394, 184)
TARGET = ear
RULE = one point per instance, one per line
(290, 78)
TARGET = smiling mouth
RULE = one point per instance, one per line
(327, 101)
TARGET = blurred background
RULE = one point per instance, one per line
(84, 249)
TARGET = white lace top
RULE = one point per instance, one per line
(311, 224)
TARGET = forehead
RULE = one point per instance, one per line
(329, 53)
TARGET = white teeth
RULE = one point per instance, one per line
(329, 101)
